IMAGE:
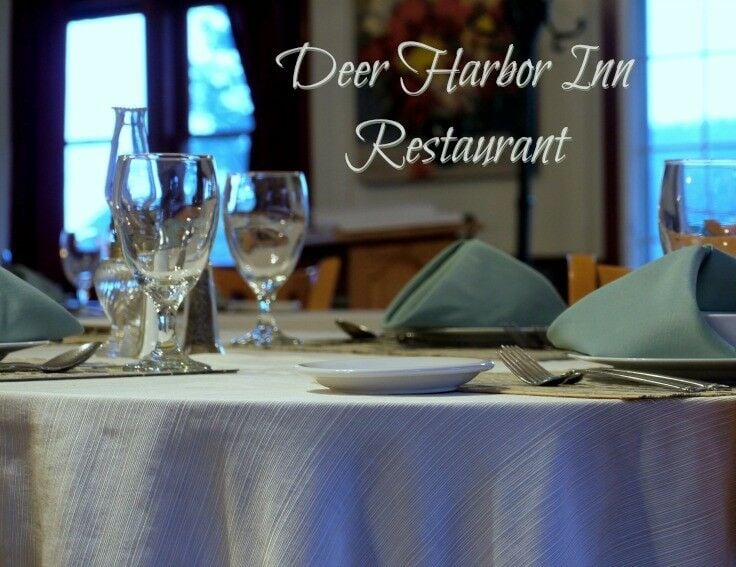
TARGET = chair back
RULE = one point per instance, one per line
(314, 287)
(585, 274)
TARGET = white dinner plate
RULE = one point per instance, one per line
(395, 374)
(6, 348)
(724, 369)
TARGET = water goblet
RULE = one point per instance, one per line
(698, 204)
(165, 211)
(80, 253)
(266, 215)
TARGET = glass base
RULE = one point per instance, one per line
(266, 335)
(166, 362)
(122, 343)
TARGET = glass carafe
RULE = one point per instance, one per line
(130, 313)
(123, 301)
(129, 136)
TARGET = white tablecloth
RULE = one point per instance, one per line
(267, 468)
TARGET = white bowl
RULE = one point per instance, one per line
(724, 324)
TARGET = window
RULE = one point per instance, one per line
(220, 104)
(691, 77)
(106, 66)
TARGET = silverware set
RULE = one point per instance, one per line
(523, 366)
(518, 361)
(61, 363)
(356, 331)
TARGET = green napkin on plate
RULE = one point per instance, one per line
(27, 314)
(655, 311)
(471, 284)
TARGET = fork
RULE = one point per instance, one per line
(530, 371)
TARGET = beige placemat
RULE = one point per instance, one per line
(388, 347)
(95, 370)
(590, 388)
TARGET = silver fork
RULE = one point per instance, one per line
(531, 372)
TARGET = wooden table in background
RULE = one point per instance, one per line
(378, 263)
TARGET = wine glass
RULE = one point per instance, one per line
(698, 204)
(266, 216)
(165, 211)
(80, 253)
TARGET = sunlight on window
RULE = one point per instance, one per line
(674, 27)
(105, 67)
(219, 97)
(691, 58)
(220, 103)
(672, 82)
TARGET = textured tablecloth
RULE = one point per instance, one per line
(268, 468)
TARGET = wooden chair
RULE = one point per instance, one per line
(584, 275)
(314, 287)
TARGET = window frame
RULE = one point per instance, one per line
(167, 64)
(632, 143)
(37, 115)
(168, 92)
(231, 134)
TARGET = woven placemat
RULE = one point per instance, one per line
(382, 346)
(394, 348)
(589, 388)
(97, 370)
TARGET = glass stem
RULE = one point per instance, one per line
(265, 318)
(166, 329)
(82, 296)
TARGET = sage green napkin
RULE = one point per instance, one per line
(39, 281)
(471, 284)
(27, 314)
(655, 311)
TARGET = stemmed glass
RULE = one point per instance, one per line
(80, 253)
(698, 204)
(266, 215)
(165, 211)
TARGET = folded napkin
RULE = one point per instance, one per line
(27, 314)
(471, 284)
(655, 311)
(39, 281)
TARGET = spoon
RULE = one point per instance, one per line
(356, 331)
(60, 363)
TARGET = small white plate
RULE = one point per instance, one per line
(395, 374)
(6, 348)
(724, 369)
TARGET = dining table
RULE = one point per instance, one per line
(265, 466)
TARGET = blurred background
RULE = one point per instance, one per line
(206, 72)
